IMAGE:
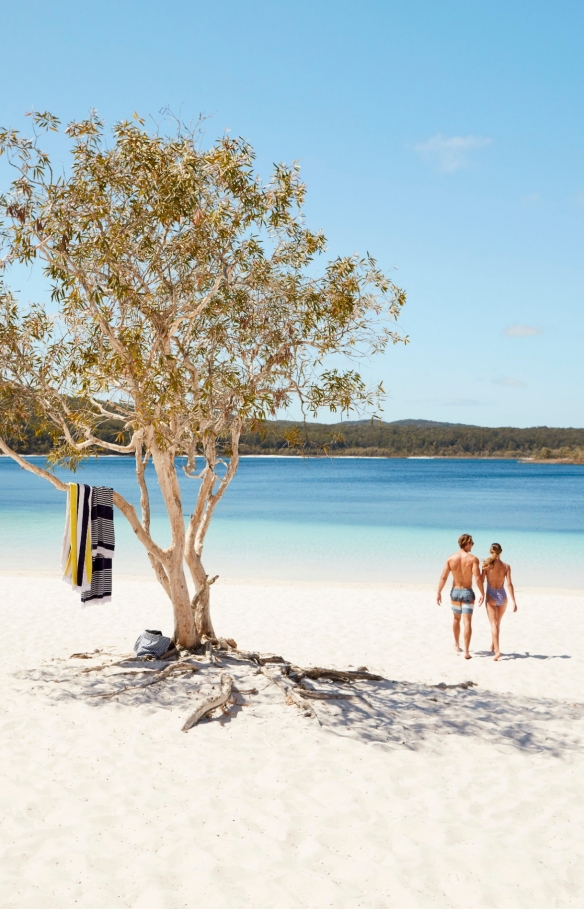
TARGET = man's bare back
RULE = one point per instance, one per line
(461, 565)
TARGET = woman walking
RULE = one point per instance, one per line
(495, 573)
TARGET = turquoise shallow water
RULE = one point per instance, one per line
(353, 520)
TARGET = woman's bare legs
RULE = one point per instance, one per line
(495, 614)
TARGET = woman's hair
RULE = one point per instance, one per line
(495, 552)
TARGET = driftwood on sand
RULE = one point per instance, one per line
(290, 679)
(210, 703)
(220, 681)
(161, 675)
(295, 683)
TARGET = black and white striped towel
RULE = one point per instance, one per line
(103, 544)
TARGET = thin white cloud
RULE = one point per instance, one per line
(580, 198)
(530, 198)
(510, 383)
(521, 331)
(450, 153)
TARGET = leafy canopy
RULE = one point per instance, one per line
(188, 301)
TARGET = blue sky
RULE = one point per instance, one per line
(447, 139)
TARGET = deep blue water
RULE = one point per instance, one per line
(335, 519)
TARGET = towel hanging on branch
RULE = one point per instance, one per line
(89, 541)
(76, 553)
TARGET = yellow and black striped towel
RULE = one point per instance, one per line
(76, 554)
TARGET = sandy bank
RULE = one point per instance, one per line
(477, 802)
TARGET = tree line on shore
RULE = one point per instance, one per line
(400, 439)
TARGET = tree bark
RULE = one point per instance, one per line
(217, 699)
(185, 629)
(201, 602)
(203, 615)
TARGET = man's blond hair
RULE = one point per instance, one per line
(464, 540)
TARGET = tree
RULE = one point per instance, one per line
(187, 311)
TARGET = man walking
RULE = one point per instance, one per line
(464, 567)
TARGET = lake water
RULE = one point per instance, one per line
(350, 520)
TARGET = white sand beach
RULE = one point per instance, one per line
(408, 795)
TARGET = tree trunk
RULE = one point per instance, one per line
(203, 615)
(185, 630)
(202, 598)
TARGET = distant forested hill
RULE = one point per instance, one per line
(403, 438)
(410, 438)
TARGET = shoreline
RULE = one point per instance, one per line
(351, 457)
(287, 583)
(550, 461)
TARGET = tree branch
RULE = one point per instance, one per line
(215, 497)
(127, 510)
(32, 468)
(108, 413)
(198, 309)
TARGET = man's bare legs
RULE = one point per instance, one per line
(495, 614)
(456, 632)
(467, 623)
(467, 633)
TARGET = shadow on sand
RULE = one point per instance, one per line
(393, 714)
(412, 715)
(523, 656)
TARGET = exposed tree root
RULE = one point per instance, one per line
(161, 674)
(97, 668)
(316, 672)
(87, 656)
(443, 685)
(396, 713)
(348, 675)
(210, 703)
(171, 654)
(325, 695)
(106, 665)
(279, 676)
(290, 679)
